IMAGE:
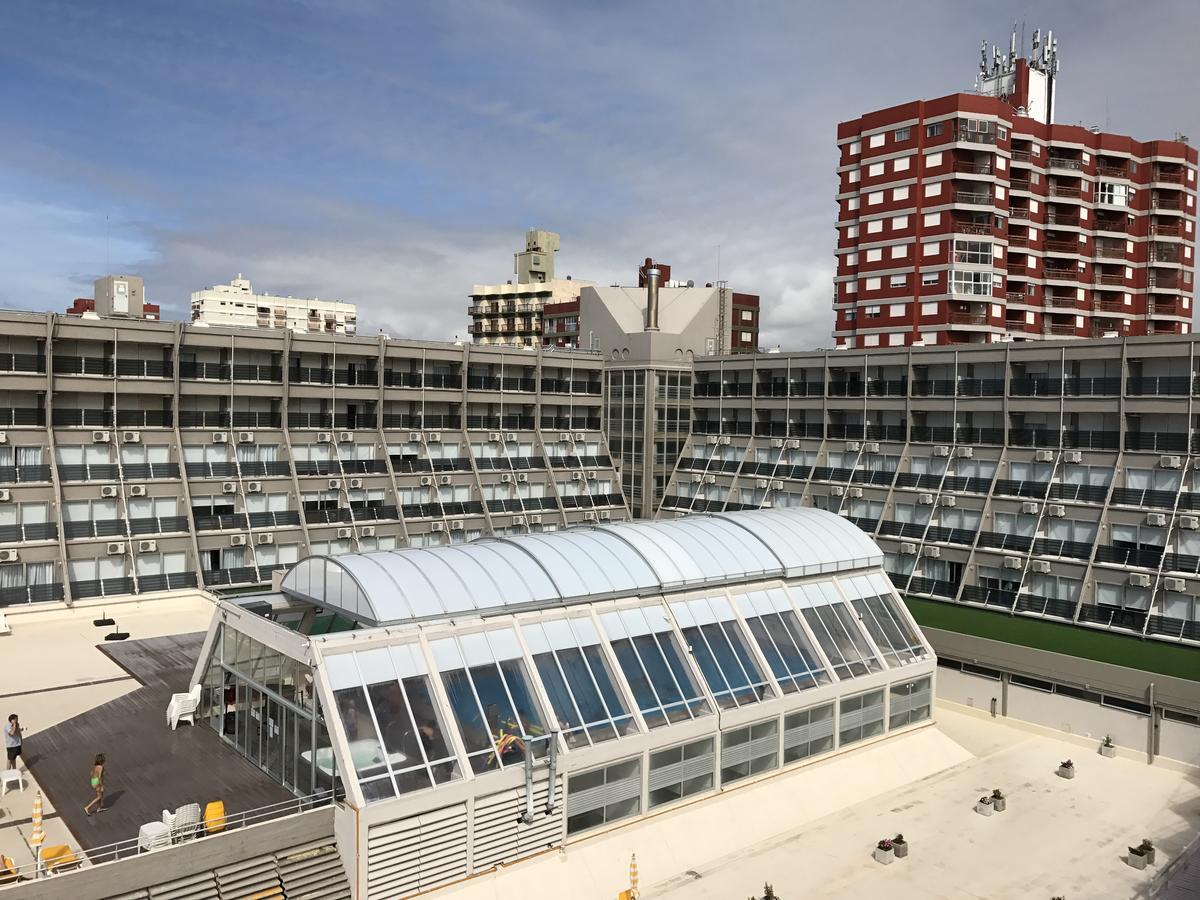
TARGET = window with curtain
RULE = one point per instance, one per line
(718, 645)
(782, 639)
(572, 668)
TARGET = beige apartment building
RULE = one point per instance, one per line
(236, 305)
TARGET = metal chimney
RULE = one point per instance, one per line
(652, 275)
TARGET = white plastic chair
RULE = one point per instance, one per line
(182, 707)
(184, 823)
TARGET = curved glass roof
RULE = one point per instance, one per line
(555, 568)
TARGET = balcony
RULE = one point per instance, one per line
(24, 474)
(1091, 440)
(144, 368)
(31, 593)
(1158, 283)
(1020, 155)
(1159, 386)
(87, 418)
(1166, 229)
(82, 365)
(1062, 190)
(355, 377)
(960, 318)
(255, 372)
(204, 371)
(310, 375)
(1157, 441)
(223, 522)
(1171, 177)
(1061, 162)
(1110, 171)
(1104, 280)
(1062, 246)
(976, 198)
(144, 418)
(406, 420)
(29, 531)
(22, 362)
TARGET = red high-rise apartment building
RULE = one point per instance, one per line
(974, 218)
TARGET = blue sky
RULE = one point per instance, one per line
(393, 154)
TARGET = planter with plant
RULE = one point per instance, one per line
(1137, 858)
(900, 845)
(984, 806)
(1107, 748)
(885, 852)
(1066, 769)
(1147, 848)
(999, 801)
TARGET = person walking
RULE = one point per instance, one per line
(12, 741)
(97, 785)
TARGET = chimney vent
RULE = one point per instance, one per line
(652, 275)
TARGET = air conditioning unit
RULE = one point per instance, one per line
(932, 552)
(777, 485)
(1175, 585)
(335, 484)
(147, 546)
(345, 437)
(1139, 579)
(3, 437)
(324, 437)
(438, 527)
(426, 480)
(837, 491)
(1072, 456)
(535, 519)
(456, 525)
(761, 483)
(1030, 508)
(345, 532)
(1191, 523)
(356, 483)
(725, 440)
(589, 517)
(1012, 562)
(266, 539)
(366, 531)
(505, 479)
(1055, 511)
(100, 437)
(1170, 462)
(1043, 455)
(5, 495)
(942, 450)
(1041, 566)
(777, 443)
(1156, 519)
(925, 499)
(131, 437)
(564, 436)
(414, 437)
(108, 490)
(522, 477)
(965, 452)
(591, 476)
(853, 446)
(948, 501)
(253, 487)
(229, 487)
(708, 479)
(9, 556)
(510, 437)
(908, 549)
(712, 438)
(518, 520)
(854, 492)
(578, 476)
(871, 447)
(435, 437)
(580, 436)
(137, 490)
(493, 436)
(237, 540)
(793, 445)
(115, 548)
(445, 479)
(220, 437)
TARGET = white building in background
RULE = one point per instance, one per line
(235, 304)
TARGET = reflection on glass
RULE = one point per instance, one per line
(650, 656)
(841, 640)
(888, 629)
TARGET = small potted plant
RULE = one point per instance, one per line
(999, 801)
(1137, 857)
(885, 852)
(1066, 769)
(1107, 748)
(984, 806)
(900, 845)
(1147, 848)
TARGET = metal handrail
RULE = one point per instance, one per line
(119, 850)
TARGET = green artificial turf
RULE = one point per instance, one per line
(1073, 640)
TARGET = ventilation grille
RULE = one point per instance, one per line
(417, 853)
(498, 835)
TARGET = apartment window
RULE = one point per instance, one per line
(928, 278)
(895, 340)
(898, 281)
(899, 251)
(681, 771)
(851, 259)
(901, 134)
(976, 283)
(932, 190)
(871, 340)
(861, 717)
(874, 169)
(875, 254)
(933, 129)
(900, 193)
(899, 223)
(932, 219)
(930, 248)
(876, 140)
(851, 231)
(855, 148)
(875, 226)
(853, 176)
(747, 315)
(852, 203)
(873, 284)
(929, 309)
(874, 198)
(603, 795)
(807, 733)
(849, 315)
(1002, 133)
(747, 336)
(871, 312)
(902, 164)
(932, 160)
(749, 751)
(973, 252)
(851, 287)
(896, 309)
(1114, 194)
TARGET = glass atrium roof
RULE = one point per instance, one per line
(591, 563)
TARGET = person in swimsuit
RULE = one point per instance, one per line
(97, 785)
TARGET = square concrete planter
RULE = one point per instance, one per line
(1137, 860)
(1108, 750)
(900, 848)
(984, 807)
(1066, 771)
(999, 804)
(887, 857)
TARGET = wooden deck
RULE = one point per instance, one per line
(149, 767)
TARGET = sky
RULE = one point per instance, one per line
(393, 154)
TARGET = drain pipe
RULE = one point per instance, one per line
(1155, 724)
(551, 781)
(526, 818)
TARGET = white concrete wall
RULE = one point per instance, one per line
(1079, 717)
(969, 690)
(1179, 741)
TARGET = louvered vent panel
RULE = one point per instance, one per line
(313, 873)
(256, 877)
(198, 887)
(498, 835)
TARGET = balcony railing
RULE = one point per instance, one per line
(1162, 385)
(144, 368)
(22, 362)
(24, 474)
(1059, 162)
(1157, 441)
